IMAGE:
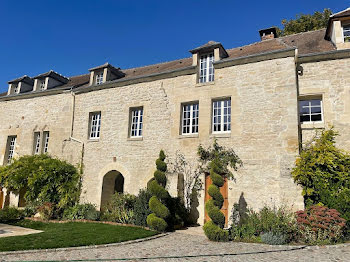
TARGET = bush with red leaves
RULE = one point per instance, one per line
(320, 225)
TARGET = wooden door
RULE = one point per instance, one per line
(224, 192)
(1, 198)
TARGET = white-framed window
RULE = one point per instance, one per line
(46, 136)
(136, 121)
(346, 33)
(206, 68)
(11, 141)
(221, 116)
(310, 110)
(15, 89)
(190, 114)
(36, 143)
(95, 125)
(99, 79)
(42, 85)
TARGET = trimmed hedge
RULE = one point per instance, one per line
(214, 232)
(156, 220)
(214, 229)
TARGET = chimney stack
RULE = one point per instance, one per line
(268, 33)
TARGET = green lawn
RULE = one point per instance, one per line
(71, 234)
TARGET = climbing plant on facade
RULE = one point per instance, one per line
(216, 161)
(156, 220)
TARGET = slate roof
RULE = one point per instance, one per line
(54, 75)
(307, 43)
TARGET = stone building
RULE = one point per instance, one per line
(261, 99)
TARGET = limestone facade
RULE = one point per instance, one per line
(264, 88)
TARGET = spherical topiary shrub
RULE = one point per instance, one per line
(156, 220)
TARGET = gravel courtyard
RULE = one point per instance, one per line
(185, 246)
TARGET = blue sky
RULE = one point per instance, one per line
(72, 36)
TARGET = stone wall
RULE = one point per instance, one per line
(331, 80)
(23, 117)
(264, 131)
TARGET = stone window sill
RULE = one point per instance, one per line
(205, 84)
(93, 140)
(135, 138)
(220, 135)
(317, 125)
(188, 136)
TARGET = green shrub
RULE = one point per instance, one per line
(158, 208)
(323, 170)
(81, 211)
(272, 238)
(157, 190)
(46, 210)
(320, 225)
(216, 161)
(156, 223)
(217, 196)
(119, 209)
(44, 179)
(179, 215)
(214, 213)
(156, 203)
(31, 208)
(9, 214)
(214, 232)
(214, 229)
(278, 221)
(141, 208)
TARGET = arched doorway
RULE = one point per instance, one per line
(113, 182)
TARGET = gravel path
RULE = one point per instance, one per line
(180, 246)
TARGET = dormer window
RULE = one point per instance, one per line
(104, 73)
(99, 79)
(42, 85)
(49, 80)
(346, 33)
(204, 57)
(206, 69)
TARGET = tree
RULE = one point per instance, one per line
(190, 173)
(323, 170)
(305, 23)
(44, 179)
(216, 161)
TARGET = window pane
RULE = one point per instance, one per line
(305, 118)
(316, 117)
(303, 103)
(316, 110)
(316, 102)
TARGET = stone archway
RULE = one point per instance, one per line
(113, 182)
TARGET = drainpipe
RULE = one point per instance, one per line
(71, 138)
(296, 59)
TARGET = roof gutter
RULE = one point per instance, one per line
(138, 79)
(324, 56)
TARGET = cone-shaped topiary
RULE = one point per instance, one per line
(156, 187)
(214, 228)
